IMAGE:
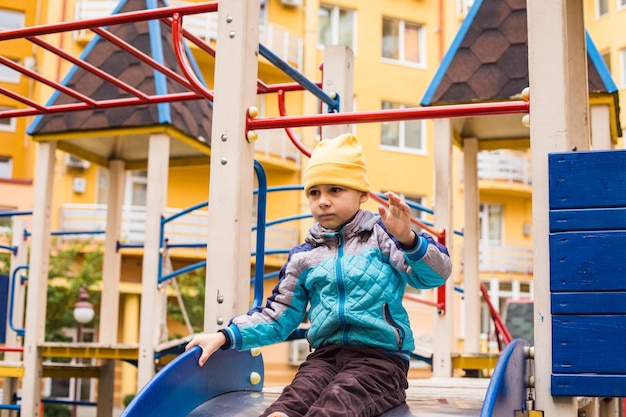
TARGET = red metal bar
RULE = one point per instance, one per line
(32, 74)
(194, 39)
(290, 135)
(167, 98)
(39, 108)
(441, 291)
(117, 19)
(415, 298)
(177, 38)
(122, 44)
(495, 316)
(88, 67)
(374, 116)
(11, 349)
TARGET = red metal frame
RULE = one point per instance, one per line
(392, 115)
(172, 16)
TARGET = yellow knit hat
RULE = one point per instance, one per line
(337, 161)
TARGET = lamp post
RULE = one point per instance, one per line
(83, 314)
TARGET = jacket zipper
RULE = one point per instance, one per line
(341, 289)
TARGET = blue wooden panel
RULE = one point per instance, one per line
(588, 385)
(588, 219)
(589, 179)
(588, 261)
(588, 302)
(182, 385)
(589, 344)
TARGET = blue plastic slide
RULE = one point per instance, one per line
(182, 385)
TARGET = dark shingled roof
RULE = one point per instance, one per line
(488, 59)
(191, 117)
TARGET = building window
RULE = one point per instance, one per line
(403, 41)
(6, 167)
(606, 57)
(621, 4)
(404, 135)
(490, 218)
(622, 66)
(137, 188)
(462, 7)
(336, 26)
(415, 204)
(9, 75)
(602, 8)
(7, 124)
(10, 19)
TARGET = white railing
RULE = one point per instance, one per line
(510, 166)
(273, 143)
(274, 37)
(501, 258)
(190, 228)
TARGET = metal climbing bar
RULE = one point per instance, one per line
(393, 115)
(171, 16)
(333, 104)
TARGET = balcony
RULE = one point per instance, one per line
(189, 229)
(274, 37)
(512, 167)
(497, 258)
(274, 148)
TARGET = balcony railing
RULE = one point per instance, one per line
(276, 38)
(273, 143)
(509, 166)
(500, 258)
(190, 229)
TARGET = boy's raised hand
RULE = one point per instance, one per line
(209, 342)
(397, 219)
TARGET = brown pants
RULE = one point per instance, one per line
(342, 381)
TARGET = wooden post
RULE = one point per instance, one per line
(232, 164)
(471, 240)
(558, 122)
(444, 331)
(38, 280)
(158, 166)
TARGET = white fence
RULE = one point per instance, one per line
(509, 166)
(189, 229)
(500, 258)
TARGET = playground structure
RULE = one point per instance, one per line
(235, 85)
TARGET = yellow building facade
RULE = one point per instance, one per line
(398, 46)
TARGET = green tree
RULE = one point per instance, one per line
(80, 267)
(192, 287)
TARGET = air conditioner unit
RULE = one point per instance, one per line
(299, 349)
(74, 162)
(291, 3)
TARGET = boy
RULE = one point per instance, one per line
(351, 273)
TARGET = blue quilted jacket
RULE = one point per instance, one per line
(352, 283)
